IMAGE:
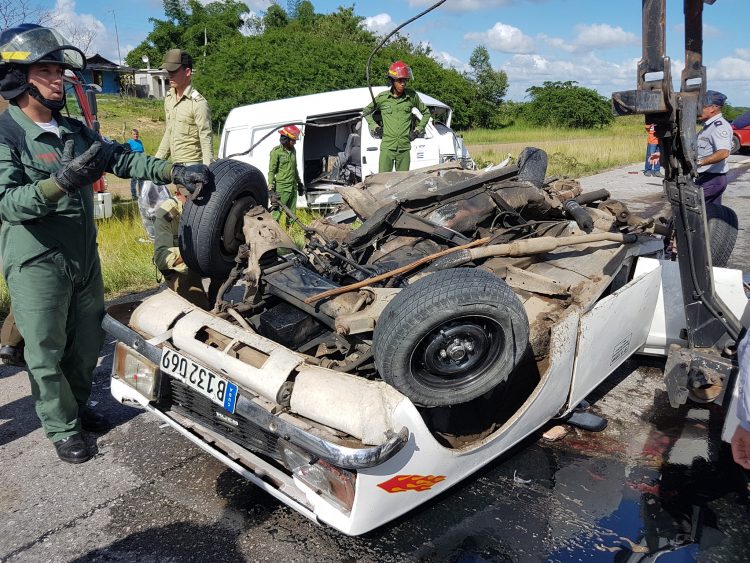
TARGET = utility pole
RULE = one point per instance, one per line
(117, 37)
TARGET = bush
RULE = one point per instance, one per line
(564, 104)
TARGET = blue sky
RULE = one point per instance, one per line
(595, 42)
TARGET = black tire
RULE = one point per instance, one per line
(722, 232)
(450, 337)
(532, 166)
(211, 225)
(736, 145)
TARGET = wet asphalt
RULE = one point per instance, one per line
(657, 483)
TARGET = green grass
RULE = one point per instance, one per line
(572, 152)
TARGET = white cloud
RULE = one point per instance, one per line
(603, 36)
(84, 31)
(729, 68)
(462, 5)
(504, 38)
(449, 61)
(557, 43)
(526, 70)
(379, 24)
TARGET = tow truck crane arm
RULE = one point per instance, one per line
(711, 327)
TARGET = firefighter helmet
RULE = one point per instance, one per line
(291, 131)
(399, 69)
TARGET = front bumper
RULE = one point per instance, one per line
(335, 454)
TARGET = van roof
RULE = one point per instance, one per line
(298, 109)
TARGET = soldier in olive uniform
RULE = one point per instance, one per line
(714, 147)
(187, 138)
(178, 276)
(283, 176)
(48, 163)
(394, 107)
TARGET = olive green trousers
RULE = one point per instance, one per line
(58, 311)
(389, 158)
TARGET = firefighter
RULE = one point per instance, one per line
(48, 163)
(283, 176)
(390, 118)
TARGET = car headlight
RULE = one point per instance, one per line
(333, 483)
(135, 370)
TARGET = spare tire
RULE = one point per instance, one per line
(211, 225)
(450, 337)
(722, 232)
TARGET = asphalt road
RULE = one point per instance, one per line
(656, 478)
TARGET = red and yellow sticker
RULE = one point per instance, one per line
(402, 483)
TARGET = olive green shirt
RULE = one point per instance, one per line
(282, 168)
(166, 233)
(397, 118)
(187, 138)
(37, 216)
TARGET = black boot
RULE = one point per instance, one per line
(73, 449)
(11, 356)
(92, 421)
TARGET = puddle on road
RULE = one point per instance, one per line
(665, 494)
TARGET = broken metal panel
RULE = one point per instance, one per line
(611, 332)
(535, 283)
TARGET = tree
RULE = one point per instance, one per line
(275, 17)
(14, 12)
(565, 104)
(491, 86)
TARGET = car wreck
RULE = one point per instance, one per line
(437, 320)
(460, 312)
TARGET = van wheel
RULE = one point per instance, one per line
(210, 231)
(450, 337)
(722, 232)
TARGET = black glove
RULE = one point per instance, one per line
(300, 188)
(415, 135)
(273, 198)
(84, 169)
(377, 133)
(192, 177)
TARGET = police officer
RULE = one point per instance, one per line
(167, 258)
(187, 138)
(394, 109)
(48, 163)
(714, 147)
(283, 176)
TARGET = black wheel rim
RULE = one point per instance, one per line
(231, 235)
(454, 354)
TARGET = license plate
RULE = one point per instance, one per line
(203, 380)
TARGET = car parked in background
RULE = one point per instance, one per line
(741, 132)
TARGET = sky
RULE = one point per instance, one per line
(594, 42)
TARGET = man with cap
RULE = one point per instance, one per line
(187, 138)
(283, 175)
(393, 108)
(714, 147)
(48, 163)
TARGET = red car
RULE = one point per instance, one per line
(741, 130)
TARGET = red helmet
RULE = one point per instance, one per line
(399, 69)
(291, 131)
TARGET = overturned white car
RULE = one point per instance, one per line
(359, 377)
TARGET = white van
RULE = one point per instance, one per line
(335, 148)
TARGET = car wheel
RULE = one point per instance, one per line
(210, 231)
(450, 337)
(736, 145)
(722, 232)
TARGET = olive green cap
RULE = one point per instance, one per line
(175, 58)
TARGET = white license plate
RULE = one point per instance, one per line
(203, 380)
